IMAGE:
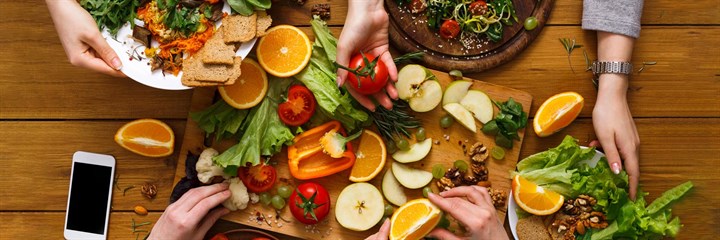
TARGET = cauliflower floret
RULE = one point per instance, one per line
(254, 198)
(205, 167)
(239, 197)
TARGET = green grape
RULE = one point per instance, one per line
(461, 165)
(446, 121)
(530, 23)
(284, 191)
(265, 198)
(403, 145)
(278, 202)
(427, 191)
(497, 153)
(388, 210)
(420, 134)
(438, 171)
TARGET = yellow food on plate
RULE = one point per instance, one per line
(535, 199)
(557, 113)
(370, 157)
(284, 51)
(249, 89)
(414, 220)
(147, 137)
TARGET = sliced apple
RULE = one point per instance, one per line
(359, 207)
(392, 190)
(409, 177)
(415, 153)
(479, 104)
(462, 115)
(456, 91)
(427, 97)
(410, 78)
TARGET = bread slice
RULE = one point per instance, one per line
(239, 28)
(215, 51)
(263, 23)
(196, 73)
(532, 228)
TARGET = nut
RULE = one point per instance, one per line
(149, 190)
(140, 210)
(580, 227)
(484, 184)
(321, 10)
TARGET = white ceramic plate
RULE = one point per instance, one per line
(512, 206)
(140, 70)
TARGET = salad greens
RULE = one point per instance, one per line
(563, 169)
(320, 77)
(506, 124)
(111, 14)
(499, 13)
(248, 7)
(221, 119)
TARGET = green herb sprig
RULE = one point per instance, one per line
(408, 57)
(646, 64)
(111, 15)
(396, 122)
(569, 46)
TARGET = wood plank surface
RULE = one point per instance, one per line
(49, 225)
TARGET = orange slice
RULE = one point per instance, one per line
(249, 89)
(284, 51)
(414, 220)
(147, 137)
(535, 199)
(369, 158)
(557, 113)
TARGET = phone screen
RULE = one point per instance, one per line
(89, 198)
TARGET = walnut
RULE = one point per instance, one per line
(590, 200)
(149, 190)
(578, 216)
(480, 171)
(479, 158)
(322, 10)
(299, 2)
(470, 179)
(478, 147)
(445, 184)
(498, 197)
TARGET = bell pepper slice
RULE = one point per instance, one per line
(308, 142)
(306, 159)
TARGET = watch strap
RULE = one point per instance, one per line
(599, 67)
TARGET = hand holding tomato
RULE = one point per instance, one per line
(367, 74)
(309, 203)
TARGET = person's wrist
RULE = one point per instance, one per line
(613, 85)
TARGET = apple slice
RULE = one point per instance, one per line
(409, 177)
(462, 115)
(417, 152)
(392, 190)
(410, 78)
(456, 91)
(359, 207)
(427, 97)
(479, 104)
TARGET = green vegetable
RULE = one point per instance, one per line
(668, 197)
(220, 119)
(500, 13)
(264, 133)
(507, 122)
(320, 77)
(260, 4)
(242, 7)
(111, 15)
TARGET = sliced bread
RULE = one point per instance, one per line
(239, 28)
(263, 23)
(215, 51)
(532, 228)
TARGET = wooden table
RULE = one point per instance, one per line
(50, 109)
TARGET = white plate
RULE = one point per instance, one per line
(140, 70)
(512, 206)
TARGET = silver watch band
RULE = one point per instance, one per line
(611, 67)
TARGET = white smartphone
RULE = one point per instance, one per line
(89, 197)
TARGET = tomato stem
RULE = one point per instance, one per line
(365, 70)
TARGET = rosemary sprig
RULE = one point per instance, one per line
(409, 57)
(395, 122)
(569, 45)
(645, 64)
(588, 64)
(127, 188)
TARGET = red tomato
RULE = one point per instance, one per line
(298, 108)
(478, 8)
(309, 203)
(220, 236)
(361, 80)
(258, 178)
(449, 29)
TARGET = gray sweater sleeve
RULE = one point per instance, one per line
(616, 16)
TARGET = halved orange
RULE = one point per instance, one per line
(370, 157)
(249, 89)
(284, 51)
(147, 137)
(557, 113)
(535, 199)
(414, 220)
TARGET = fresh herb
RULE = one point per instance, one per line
(588, 63)
(220, 119)
(128, 188)
(645, 64)
(111, 14)
(408, 57)
(186, 20)
(136, 225)
(506, 124)
(569, 46)
(396, 122)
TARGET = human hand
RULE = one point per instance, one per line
(81, 39)
(188, 218)
(366, 30)
(383, 233)
(472, 206)
(615, 128)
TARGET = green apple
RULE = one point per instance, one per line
(479, 104)
(410, 78)
(410, 177)
(427, 98)
(462, 115)
(415, 153)
(359, 207)
(392, 190)
(456, 91)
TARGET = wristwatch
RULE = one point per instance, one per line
(611, 67)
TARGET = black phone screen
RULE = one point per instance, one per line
(89, 198)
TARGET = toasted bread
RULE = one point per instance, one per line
(532, 228)
(263, 23)
(197, 73)
(215, 51)
(239, 28)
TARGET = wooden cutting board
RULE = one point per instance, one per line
(445, 153)
(410, 32)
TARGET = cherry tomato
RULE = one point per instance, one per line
(309, 203)
(258, 178)
(449, 29)
(298, 108)
(362, 81)
(220, 236)
(478, 8)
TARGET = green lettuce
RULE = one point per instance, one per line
(220, 119)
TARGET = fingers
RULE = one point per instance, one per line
(101, 47)
(89, 61)
(458, 208)
(390, 64)
(362, 99)
(595, 144)
(474, 194)
(343, 58)
(391, 91)
(211, 218)
(612, 153)
(208, 203)
(633, 170)
(383, 99)
(195, 195)
(442, 234)
(384, 231)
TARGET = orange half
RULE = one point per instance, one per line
(557, 113)
(370, 157)
(535, 199)
(147, 137)
(414, 220)
(284, 51)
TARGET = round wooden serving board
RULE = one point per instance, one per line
(410, 33)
